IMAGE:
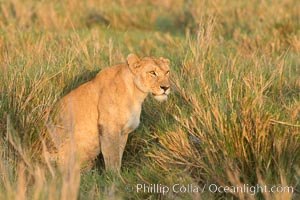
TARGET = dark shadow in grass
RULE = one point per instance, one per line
(94, 18)
(79, 80)
(177, 23)
(99, 163)
(173, 23)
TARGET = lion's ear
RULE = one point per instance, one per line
(133, 61)
(165, 60)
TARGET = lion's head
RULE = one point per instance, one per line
(151, 75)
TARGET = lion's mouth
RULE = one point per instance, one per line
(160, 97)
(163, 94)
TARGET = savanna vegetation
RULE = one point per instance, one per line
(232, 119)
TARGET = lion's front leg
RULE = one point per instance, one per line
(124, 138)
(110, 142)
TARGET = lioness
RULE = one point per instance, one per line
(98, 115)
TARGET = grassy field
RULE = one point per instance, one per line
(233, 118)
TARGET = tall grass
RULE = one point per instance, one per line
(237, 133)
(232, 119)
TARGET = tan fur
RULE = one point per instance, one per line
(98, 115)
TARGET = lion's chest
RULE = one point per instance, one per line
(133, 120)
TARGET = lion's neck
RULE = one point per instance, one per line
(133, 88)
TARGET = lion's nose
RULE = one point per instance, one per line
(165, 88)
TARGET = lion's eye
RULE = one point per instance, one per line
(153, 73)
(168, 72)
